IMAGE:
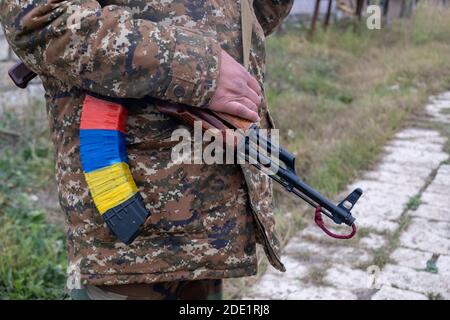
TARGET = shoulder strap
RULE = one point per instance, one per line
(247, 29)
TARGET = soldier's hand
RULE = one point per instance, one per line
(237, 93)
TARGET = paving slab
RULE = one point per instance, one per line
(412, 144)
(415, 133)
(347, 278)
(307, 293)
(390, 293)
(414, 280)
(427, 235)
(311, 252)
(404, 169)
(425, 159)
(432, 212)
(373, 241)
(397, 178)
(423, 260)
(435, 110)
(321, 293)
(436, 199)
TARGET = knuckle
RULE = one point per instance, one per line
(239, 83)
(242, 99)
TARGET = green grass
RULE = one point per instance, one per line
(381, 257)
(32, 251)
(445, 111)
(413, 203)
(316, 276)
(435, 296)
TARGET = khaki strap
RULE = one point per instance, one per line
(247, 30)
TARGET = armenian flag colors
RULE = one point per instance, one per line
(110, 186)
(104, 162)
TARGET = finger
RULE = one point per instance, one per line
(253, 96)
(238, 109)
(254, 84)
(248, 103)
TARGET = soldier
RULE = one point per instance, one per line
(205, 219)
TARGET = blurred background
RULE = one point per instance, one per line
(339, 93)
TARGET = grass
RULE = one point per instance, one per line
(435, 296)
(381, 256)
(413, 203)
(32, 251)
(316, 276)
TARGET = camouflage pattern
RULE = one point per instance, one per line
(205, 218)
(173, 290)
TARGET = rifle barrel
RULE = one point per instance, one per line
(292, 182)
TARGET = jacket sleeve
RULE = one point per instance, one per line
(105, 51)
(270, 13)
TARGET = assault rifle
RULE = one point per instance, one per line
(285, 174)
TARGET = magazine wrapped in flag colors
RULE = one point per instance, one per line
(104, 162)
(101, 148)
(111, 186)
(111, 116)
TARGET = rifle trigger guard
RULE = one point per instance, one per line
(320, 223)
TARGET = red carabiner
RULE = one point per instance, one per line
(319, 221)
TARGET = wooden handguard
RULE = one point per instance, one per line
(209, 119)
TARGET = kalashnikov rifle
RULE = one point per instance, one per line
(124, 219)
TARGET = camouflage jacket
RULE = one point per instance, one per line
(205, 218)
